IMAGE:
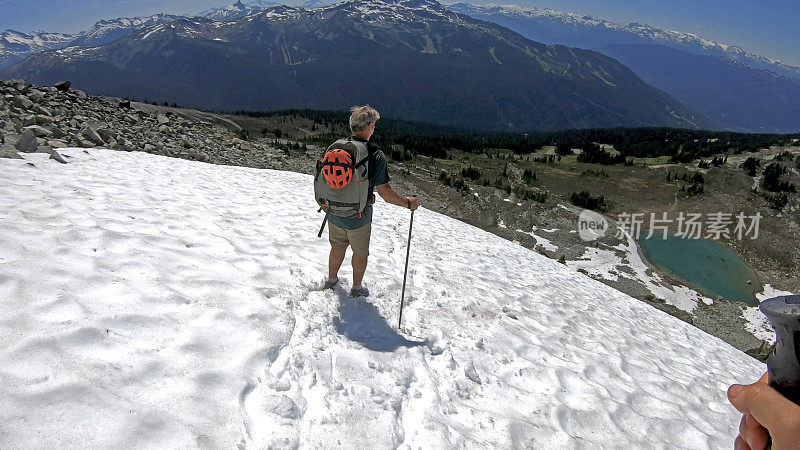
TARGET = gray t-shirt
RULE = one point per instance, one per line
(378, 175)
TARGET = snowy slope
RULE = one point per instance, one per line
(156, 302)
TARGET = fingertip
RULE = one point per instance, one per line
(740, 444)
(734, 391)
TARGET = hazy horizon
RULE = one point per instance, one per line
(766, 28)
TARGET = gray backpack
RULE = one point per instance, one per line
(341, 182)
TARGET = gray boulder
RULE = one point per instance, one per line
(57, 133)
(39, 131)
(84, 143)
(56, 156)
(27, 142)
(63, 86)
(8, 151)
(41, 119)
(472, 374)
(22, 102)
(163, 119)
(57, 143)
(106, 134)
(43, 110)
(91, 135)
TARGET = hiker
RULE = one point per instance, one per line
(353, 227)
(765, 413)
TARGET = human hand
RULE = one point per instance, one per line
(413, 203)
(765, 413)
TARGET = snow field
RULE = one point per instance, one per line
(152, 302)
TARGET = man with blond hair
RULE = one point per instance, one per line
(355, 231)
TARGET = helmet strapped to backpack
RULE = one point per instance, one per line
(341, 183)
(337, 167)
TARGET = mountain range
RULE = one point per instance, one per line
(734, 89)
(236, 10)
(16, 46)
(412, 58)
(737, 90)
(576, 30)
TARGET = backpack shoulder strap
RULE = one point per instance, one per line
(369, 153)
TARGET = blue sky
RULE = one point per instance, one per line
(767, 27)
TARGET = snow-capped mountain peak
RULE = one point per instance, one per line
(397, 11)
(17, 41)
(237, 10)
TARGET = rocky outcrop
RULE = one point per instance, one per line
(41, 119)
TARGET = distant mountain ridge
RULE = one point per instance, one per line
(584, 31)
(16, 46)
(734, 95)
(739, 91)
(414, 58)
(236, 10)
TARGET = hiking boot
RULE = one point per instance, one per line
(359, 292)
(329, 284)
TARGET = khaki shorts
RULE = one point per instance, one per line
(357, 239)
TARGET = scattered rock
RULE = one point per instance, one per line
(163, 119)
(56, 143)
(63, 86)
(762, 352)
(27, 142)
(42, 119)
(125, 104)
(472, 374)
(56, 156)
(9, 152)
(90, 134)
(44, 111)
(85, 143)
(39, 131)
(22, 102)
(106, 135)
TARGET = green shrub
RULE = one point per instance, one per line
(473, 173)
(584, 199)
(750, 166)
(772, 179)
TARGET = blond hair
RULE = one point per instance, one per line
(361, 117)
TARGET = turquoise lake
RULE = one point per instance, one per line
(706, 265)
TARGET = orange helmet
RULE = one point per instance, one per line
(338, 168)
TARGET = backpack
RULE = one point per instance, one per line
(341, 182)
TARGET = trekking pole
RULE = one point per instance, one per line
(784, 361)
(324, 221)
(784, 315)
(405, 273)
